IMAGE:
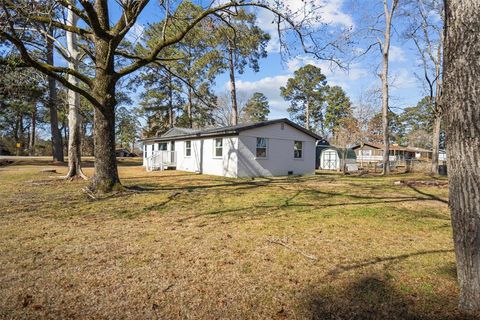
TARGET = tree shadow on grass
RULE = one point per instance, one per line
(322, 199)
(263, 182)
(376, 296)
(431, 196)
(343, 268)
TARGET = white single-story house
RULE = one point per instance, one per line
(270, 148)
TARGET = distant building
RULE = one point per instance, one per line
(124, 153)
(442, 155)
(371, 152)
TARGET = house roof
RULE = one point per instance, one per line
(392, 147)
(187, 133)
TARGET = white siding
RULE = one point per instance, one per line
(152, 146)
(191, 163)
(280, 159)
(221, 166)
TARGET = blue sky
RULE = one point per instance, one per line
(360, 76)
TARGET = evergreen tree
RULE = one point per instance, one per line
(418, 117)
(188, 71)
(256, 109)
(338, 107)
(306, 92)
(242, 43)
(127, 127)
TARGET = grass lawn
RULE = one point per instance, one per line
(187, 246)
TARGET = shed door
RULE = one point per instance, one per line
(330, 159)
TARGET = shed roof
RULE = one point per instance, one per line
(187, 133)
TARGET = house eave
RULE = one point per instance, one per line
(190, 137)
(230, 132)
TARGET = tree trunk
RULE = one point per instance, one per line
(33, 128)
(189, 108)
(16, 136)
(105, 178)
(386, 135)
(233, 90)
(57, 143)
(171, 119)
(21, 131)
(437, 121)
(74, 119)
(437, 111)
(385, 93)
(462, 114)
(307, 114)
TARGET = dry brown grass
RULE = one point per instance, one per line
(181, 245)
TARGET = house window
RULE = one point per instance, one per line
(218, 147)
(188, 148)
(261, 151)
(298, 149)
(162, 146)
(144, 150)
(366, 152)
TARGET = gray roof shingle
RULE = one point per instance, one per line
(186, 133)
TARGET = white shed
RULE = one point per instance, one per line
(333, 158)
(270, 148)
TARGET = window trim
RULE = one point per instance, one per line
(162, 143)
(215, 148)
(301, 150)
(266, 148)
(189, 149)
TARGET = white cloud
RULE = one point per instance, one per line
(335, 75)
(270, 87)
(403, 79)
(316, 12)
(397, 54)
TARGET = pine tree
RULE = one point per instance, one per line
(306, 92)
(338, 107)
(256, 109)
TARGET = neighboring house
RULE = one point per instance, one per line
(122, 153)
(370, 152)
(442, 155)
(332, 158)
(270, 148)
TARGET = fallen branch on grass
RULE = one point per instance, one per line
(421, 183)
(284, 244)
(89, 193)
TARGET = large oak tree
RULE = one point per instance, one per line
(461, 97)
(101, 40)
